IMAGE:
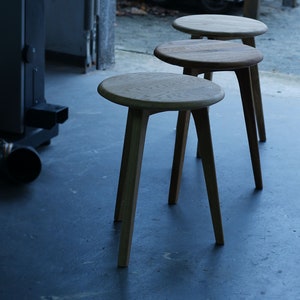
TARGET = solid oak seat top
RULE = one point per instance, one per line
(160, 91)
(220, 26)
(212, 55)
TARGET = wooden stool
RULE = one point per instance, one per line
(202, 56)
(224, 27)
(149, 93)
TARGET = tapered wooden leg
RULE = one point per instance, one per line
(251, 9)
(257, 98)
(208, 76)
(243, 76)
(130, 170)
(179, 151)
(182, 127)
(122, 176)
(204, 136)
(258, 104)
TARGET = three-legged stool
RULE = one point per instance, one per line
(226, 27)
(145, 94)
(206, 56)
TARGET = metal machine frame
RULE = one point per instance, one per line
(25, 117)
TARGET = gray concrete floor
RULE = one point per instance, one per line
(58, 238)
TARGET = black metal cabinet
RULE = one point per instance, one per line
(22, 68)
(12, 71)
(26, 120)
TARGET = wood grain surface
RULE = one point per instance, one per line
(220, 26)
(209, 55)
(160, 91)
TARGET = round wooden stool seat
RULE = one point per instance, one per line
(145, 94)
(208, 55)
(220, 26)
(160, 91)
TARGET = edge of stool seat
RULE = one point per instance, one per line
(212, 55)
(160, 91)
(220, 26)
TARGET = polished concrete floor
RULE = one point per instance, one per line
(58, 238)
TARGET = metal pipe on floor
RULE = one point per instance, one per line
(20, 164)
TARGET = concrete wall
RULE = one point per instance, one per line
(106, 30)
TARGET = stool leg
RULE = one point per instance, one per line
(179, 151)
(180, 143)
(122, 175)
(204, 135)
(258, 103)
(133, 152)
(243, 76)
(208, 76)
(182, 127)
(257, 98)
